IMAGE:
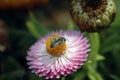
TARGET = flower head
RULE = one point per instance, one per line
(58, 53)
(93, 15)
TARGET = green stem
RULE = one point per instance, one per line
(91, 64)
(95, 45)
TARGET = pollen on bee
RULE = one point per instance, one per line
(58, 49)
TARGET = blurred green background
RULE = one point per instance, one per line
(21, 26)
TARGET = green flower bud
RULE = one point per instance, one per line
(93, 15)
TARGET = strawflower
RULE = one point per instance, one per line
(58, 53)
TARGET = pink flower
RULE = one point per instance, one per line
(58, 53)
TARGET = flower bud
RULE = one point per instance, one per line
(93, 15)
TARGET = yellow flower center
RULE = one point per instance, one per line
(55, 45)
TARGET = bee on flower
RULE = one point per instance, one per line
(58, 53)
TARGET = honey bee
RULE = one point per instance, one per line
(57, 41)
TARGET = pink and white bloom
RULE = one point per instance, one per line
(58, 53)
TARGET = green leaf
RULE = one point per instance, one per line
(35, 27)
(99, 57)
(32, 29)
(93, 74)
